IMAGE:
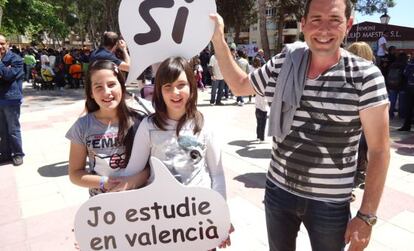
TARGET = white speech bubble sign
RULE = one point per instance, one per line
(157, 29)
(129, 220)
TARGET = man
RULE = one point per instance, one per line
(30, 62)
(260, 56)
(217, 82)
(409, 99)
(382, 50)
(44, 57)
(313, 162)
(11, 80)
(110, 43)
(68, 60)
(204, 60)
(244, 65)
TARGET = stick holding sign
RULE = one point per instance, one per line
(145, 219)
(157, 29)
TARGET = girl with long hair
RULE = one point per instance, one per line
(105, 134)
(177, 133)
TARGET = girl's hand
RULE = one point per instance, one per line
(227, 242)
(129, 182)
(111, 183)
(121, 184)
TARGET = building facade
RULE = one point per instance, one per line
(250, 38)
(399, 36)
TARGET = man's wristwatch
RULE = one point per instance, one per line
(369, 219)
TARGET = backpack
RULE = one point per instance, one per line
(394, 78)
(409, 74)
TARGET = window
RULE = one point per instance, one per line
(291, 24)
(270, 11)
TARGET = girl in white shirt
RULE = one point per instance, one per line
(177, 134)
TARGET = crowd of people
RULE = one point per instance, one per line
(398, 70)
(50, 68)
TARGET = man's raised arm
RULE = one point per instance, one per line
(237, 80)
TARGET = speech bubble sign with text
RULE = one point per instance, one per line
(157, 29)
(164, 215)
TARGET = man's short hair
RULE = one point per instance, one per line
(109, 39)
(5, 38)
(348, 8)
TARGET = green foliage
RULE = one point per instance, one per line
(237, 18)
(92, 17)
(369, 7)
(57, 17)
(31, 17)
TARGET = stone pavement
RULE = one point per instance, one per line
(38, 202)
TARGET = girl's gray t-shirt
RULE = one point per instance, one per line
(106, 157)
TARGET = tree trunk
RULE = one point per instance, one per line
(263, 29)
(1, 15)
(280, 26)
(237, 34)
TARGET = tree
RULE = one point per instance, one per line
(50, 17)
(263, 27)
(94, 23)
(237, 18)
(2, 4)
(31, 17)
(370, 7)
(55, 18)
(285, 9)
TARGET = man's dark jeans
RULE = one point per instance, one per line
(217, 87)
(325, 222)
(10, 115)
(261, 119)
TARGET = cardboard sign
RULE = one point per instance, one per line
(157, 29)
(164, 215)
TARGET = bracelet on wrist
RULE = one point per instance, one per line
(369, 219)
(102, 181)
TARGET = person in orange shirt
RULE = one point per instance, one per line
(67, 61)
(75, 72)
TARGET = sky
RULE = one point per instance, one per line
(401, 14)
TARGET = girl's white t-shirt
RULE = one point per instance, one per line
(194, 160)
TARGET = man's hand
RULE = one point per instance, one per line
(122, 44)
(358, 233)
(219, 28)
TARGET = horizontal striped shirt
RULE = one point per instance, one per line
(317, 159)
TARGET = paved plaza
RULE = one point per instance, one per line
(38, 202)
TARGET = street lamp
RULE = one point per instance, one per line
(385, 18)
